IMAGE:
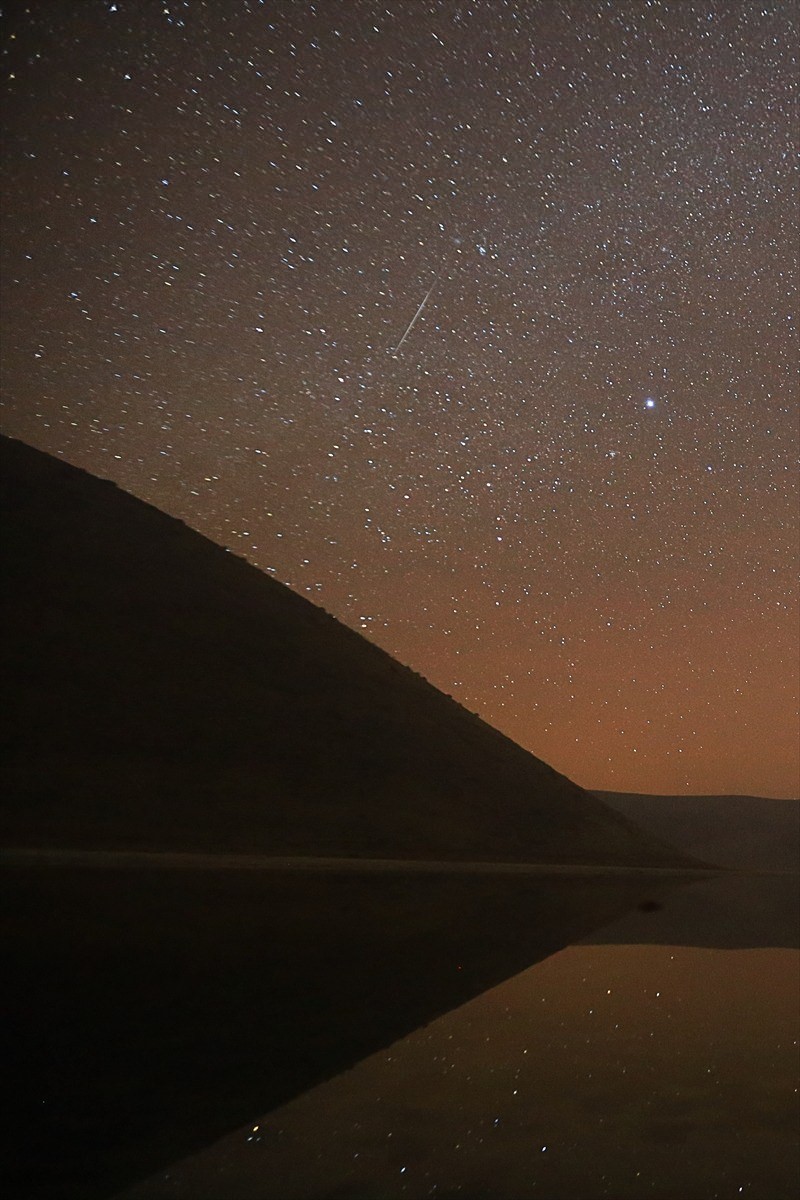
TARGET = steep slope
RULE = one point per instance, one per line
(733, 831)
(163, 693)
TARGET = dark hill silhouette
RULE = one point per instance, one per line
(164, 693)
(746, 832)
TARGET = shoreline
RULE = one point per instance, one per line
(98, 859)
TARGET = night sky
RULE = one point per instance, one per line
(569, 497)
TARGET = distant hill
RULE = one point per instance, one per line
(163, 693)
(731, 831)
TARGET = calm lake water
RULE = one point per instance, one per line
(622, 1068)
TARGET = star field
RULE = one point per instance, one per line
(569, 497)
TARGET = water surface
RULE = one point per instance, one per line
(615, 1069)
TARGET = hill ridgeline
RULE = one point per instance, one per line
(164, 694)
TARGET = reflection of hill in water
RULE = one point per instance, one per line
(189, 1001)
(153, 1010)
(605, 1071)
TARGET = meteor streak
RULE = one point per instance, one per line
(413, 320)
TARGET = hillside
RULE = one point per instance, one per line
(162, 693)
(751, 832)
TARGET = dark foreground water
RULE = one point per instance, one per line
(650, 1063)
